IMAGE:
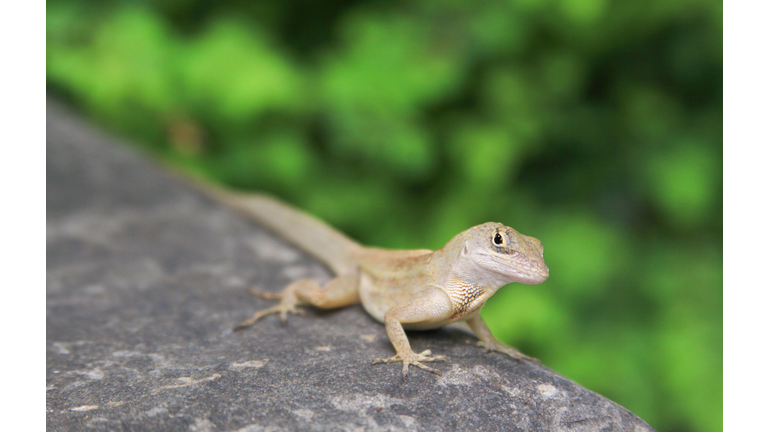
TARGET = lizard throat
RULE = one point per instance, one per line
(465, 298)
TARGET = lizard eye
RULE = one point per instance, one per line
(498, 239)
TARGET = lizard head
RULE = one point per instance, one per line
(502, 250)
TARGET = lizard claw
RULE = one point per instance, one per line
(288, 309)
(485, 346)
(414, 359)
(281, 309)
(288, 303)
(515, 354)
(427, 356)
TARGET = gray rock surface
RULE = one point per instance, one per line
(146, 278)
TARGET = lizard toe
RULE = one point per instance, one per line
(428, 369)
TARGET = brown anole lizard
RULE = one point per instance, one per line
(413, 289)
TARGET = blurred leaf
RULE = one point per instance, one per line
(651, 113)
(497, 27)
(563, 74)
(279, 158)
(231, 71)
(692, 350)
(583, 253)
(373, 100)
(126, 65)
(487, 155)
(583, 12)
(684, 180)
(521, 312)
(508, 94)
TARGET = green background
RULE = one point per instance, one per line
(593, 125)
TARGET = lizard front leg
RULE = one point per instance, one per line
(431, 306)
(338, 292)
(490, 343)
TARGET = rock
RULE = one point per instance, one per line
(146, 278)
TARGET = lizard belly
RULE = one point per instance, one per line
(374, 301)
(467, 314)
(379, 295)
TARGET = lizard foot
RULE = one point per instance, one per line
(499, 347)
(414, 359)
(285, 307)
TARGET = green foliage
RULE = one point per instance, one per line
(594, 125)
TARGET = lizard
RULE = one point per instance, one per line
(403, 289)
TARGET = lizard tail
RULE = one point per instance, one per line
(312, 235)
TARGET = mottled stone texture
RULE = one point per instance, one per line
(146, 279)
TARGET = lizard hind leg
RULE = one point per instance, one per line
(339, 292)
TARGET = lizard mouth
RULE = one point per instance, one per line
(538, 277)
(518, 270)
